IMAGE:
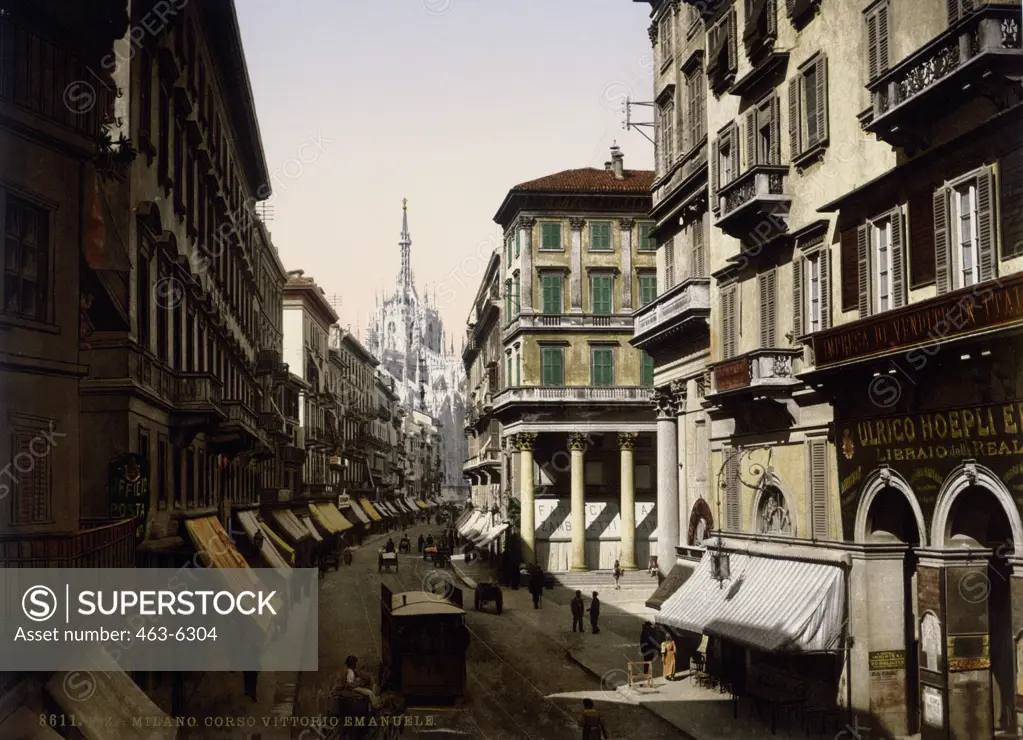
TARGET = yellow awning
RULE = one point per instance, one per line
(328, 517)
(368, 508)
(421, 505)
(287, 550)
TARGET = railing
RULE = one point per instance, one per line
(271, 421)
(154, 376)
(685, 298)
(988, 30)
(570, 394)
(760, 182)
(759, 368)
(267, 360)
(198, 389)
(291, 455)
(109, 545)
(238, 412)
(550, 319)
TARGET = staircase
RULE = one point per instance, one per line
(596, 580)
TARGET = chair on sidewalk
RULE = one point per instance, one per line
(641, 671)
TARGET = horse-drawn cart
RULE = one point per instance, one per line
(387, 560)
(487, 592)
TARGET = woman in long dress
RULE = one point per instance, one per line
(668, 657)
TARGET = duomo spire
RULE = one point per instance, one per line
(405, 275)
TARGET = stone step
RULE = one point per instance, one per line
(603, 578)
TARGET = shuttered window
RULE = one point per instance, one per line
(668, 136)
(1010, 190)
(964, 231)
(602, 366)
(518, 234)
(920, 240)
(669, 263)
(646, 242)
(808, 108)
(729, 322)
(878, 41)
(601, 294)
(509, 313)
(811, 292)
(696, 102)
(25, 258)
(508, 250)
(553, 303)
(29, 477)
(517, 295)
(647, 289)
(552, 364)
(817, 485)
(767, 285)
(550, 236)
(722, 57)
(733, 503)
(849, 266)
(881, 268)
(699, 266)
(763, 135)
(725, 158)
(509, 377)
(600, 235)
(958, 9)
(646, 371)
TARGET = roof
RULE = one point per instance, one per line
(590, 179)
(420, 602)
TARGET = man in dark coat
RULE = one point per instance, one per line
(648, 644)
(536, 585)
(594, 611)
(577, 611)
(421, 541)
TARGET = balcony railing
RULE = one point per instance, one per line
(932, 82)
(681, 303)
(569, 321)
(760, 368)
(240, 415)
(272, 422)
(291, 455)
(267, 361)
(110, 545)
(198, 390)
(573, 394)
(315, 436)
(756, 204)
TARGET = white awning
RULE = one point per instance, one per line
(492, 535)
(463, 518)
(411, 504)
(474, 526)
(770, 604)
(358, 513)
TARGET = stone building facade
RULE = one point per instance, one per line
(863, 188)
(356, 368)
(576, 263)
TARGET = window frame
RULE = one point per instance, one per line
(547, 227)
(609, 354)
(601, 276)
(44, 214)
(545, 380)
(877, 34)
(560, 278)
(610, 236)
(647, 243)
(801, 146)
(647, 283)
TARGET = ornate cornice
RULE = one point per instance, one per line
(627, 440)
(526, 222)
(577, 442)
(577, 224)
(680, 389)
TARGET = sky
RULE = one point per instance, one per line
(448, 103)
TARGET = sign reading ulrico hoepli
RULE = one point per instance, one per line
(192, 619)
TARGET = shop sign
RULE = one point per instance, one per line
(343, 500)
(934, 707)
(887, 679)
(732, 375)
(925, 448)
(128, 490)
(884, 660)
(603, 520)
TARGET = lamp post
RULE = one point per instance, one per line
(719, 560)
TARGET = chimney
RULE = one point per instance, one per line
(608, 167)
(618, 162)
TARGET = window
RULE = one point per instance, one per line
(761, 23)
(646, 371)
(881, 264)
(878, 40)
(729, 322)
(646, 242)
(602, 366)
(601, 294)
(31, 477)
(696, 102)
(518, 295)
(724, 157)
(550, 236)
(667, 136)
(26, 259)
(881, 239)
(699, 254)
(767, 285)
(518, 367)
(647, 289)
(600, 235)
(510, 377)
(722, 58)
(811, 290)
(669, 263)
(509, 314)
(665, 33)
(552, 297)
(763, 133)
(552, 363)
(518, 233)
(817, 485)
(808, 108)
(964, 231)
(508, 250)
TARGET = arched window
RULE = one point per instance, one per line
(773, 513)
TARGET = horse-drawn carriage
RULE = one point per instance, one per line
(486, 593)
(387, 560)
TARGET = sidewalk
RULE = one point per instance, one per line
(701, 713)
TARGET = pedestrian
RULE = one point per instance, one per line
(648, 646)
(617, 573)
(359, 684)
(668, 657)
(536, 585)
(594, 613)
(577, 611)
(421, 541)
(592, 723)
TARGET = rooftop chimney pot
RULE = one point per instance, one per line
(618, 162)
(607, 166)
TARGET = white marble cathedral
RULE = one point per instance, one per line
(407, 335)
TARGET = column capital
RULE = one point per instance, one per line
(526, 222)
(652, 33)
(577, 442)
(577, 224)
(664, 403)
(525, 442)
(680, 390)
(627, 440)
(627, 223)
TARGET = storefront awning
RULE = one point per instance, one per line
(307, 522)
(492, 534)
(420, 504)
(476, 526)
(356, 512)
(267, 551)
(678, 575)
(411, 504)
(403, 506)
(463, 518)
(328, 517)
(368, 508)
(288, 525)
(286, 550)
(384, 509)
(769, 604)
(114, 708)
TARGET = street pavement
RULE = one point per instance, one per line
(521, 681)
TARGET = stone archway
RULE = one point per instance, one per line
(878, 488)
(701, 523)
(972, 476)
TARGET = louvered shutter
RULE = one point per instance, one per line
(1010, 190)
(794, 118)
(872, 47)
(898, 261)
(825, 287)
(775, 154)
(772, 18)
(953, 11)
(699, 264)
(863, 269)
(790, 6)
(701, 103)
(920, 241)
(732, 501)
(882, 39)
(798, 268)
(559, 366)
(728, 328)
(733, 55)
(817, 485)
(751, 138)
(669, 263)
(715, 174)
(767, 283)
(942, 272)
(986, 237)
(822, 98)
(850, 278)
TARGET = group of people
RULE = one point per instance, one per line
(654, 640)
(579, 608)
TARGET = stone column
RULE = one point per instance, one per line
(626, 232)
(577, 444)
(627, 441)
(667, 478)
(679, 389)
(577, 264)
(525, 444)
(526, 271)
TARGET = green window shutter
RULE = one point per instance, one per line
(647, 289)
(508, 299)
(647, 371)
(517, 242)
(646, 243)
(552, 361)
(518, 369)
(602, 367)
(550, 236)
(508, 249)
(552, 300)
(509, 380)
(600, 235)
(518, 295)
(600, 286)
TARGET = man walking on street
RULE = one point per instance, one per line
(421, 541)
(536, 585)
(594, 613)
(577, 611)
(617, 573)
(592, 723)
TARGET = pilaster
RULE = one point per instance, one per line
(576, 277)
(626, 225)
(525, 226)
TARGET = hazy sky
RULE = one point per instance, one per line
(446, 102)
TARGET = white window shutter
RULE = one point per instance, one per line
(863, 265)
(986, 236)
(798, 267)
(942, 252)
(898, 260)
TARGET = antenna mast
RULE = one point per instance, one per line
(628, 124)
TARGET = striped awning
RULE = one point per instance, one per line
(307, 522)
(463, 518)
(492, 534)
(384, 509)
(286, 550)
(328, 517)
(678, 575)
(356, 512)
(288, 525)
(411, 504)
(370, 511)
(771, 604)
(267, 551)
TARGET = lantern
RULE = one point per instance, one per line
(720, 567)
